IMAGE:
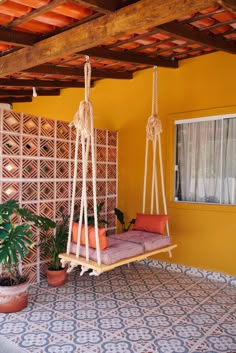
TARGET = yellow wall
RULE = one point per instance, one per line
(201, 86)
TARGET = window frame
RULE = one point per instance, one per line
(177, 122)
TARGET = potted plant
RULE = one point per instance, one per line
(91, 218)
(121, 218)
(53, 245)
(15, 244)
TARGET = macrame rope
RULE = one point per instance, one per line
(145, 176)
(153, 173)
(84, 198)
(153, 134)
(154, 127)
(73, 190)
(162, 183)
(83, 122)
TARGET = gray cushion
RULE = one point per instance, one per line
(150, 241)
(117, 250)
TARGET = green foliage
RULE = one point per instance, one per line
(16, 239)
(91, 219)
(121, 218)
(53, 245)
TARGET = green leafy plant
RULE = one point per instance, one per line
(91, 218)
(16, 238)
(121, 218)
(53, 245)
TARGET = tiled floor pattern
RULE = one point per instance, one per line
(136, 309)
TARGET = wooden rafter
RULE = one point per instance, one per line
(201, 16)
(15, 99)
(14, 92)
(129, 57)
(18, 38)
(71, 71)
(229, 5)
(13, 82)
(230, 31)
(188, 52)
(194, 35)
(154, 44)
(217, 25)
(133, 18)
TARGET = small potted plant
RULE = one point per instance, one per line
(121, 218)
(50, 247)
(91, 218)
(15, 244)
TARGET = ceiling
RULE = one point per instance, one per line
(43, 43)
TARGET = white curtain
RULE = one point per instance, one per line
(199, 152)
(229, 162)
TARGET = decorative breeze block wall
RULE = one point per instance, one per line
(36, 168)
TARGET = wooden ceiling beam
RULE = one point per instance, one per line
(21, 39)
(15, 99)
(131, 19)
(15, 92)
(13, 82)
(34, 13)
(128, 57)
(102, 6)
(186, 33)
(71, 71)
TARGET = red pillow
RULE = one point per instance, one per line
(151, 223)
(91, 236)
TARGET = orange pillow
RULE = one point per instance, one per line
(150, 223)
(91, 236)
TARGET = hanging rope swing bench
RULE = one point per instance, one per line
(120, 249)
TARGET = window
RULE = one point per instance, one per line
(205, 169)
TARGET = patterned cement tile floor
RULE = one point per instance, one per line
(136, 309)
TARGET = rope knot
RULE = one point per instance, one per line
(82, 118)
(154, 127)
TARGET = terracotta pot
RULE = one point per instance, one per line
(56, 278)
(13, 298)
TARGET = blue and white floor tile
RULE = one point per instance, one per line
(135, 309)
